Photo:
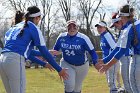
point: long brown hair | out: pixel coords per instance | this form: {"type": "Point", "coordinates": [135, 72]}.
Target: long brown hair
{"type": "Point", "coordinates": [19, 17]}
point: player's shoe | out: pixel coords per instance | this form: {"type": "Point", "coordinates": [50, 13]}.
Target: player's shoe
{"type": "Point", "coordinates": [122, 90]}
{"type": "Point", "coordinates": [114, 91]}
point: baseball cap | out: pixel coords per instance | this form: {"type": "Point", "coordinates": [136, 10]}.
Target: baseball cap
{"type": "Point", "coordinates": [71, 22]}
{"type": "Point", "coordinates": [101, 23]}
{"type": "Point", "coordinates": [115, 18]}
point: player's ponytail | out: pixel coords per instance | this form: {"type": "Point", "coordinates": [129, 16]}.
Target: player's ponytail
{"type": "Point", "coordinates": [19, 17]}
{"type": "Point", "coordinates": [25, 24]}
{"type": "Point", "coordinates": [131, 12]}
{"type": "Point", "coordinates": [108, 31]}
{"type": "Point", "coordinates": [135, 32]}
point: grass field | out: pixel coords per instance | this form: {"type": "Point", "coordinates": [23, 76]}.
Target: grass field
{"type": "Point", "coordinates": [44, 81]}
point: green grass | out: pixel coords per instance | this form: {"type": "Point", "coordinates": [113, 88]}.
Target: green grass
{"type": "Point", "coordinates": [44, 81]}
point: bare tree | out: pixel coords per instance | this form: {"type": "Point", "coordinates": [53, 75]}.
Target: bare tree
{"type": "Point", "coordinates": [19, 4]}
{"type": "Point", "coordinates": [3, 28]}
{"type": "Point", "coordinates": [135, 4]}
{"type": "Point", "coordinates": [88, 9]}
{"type": "Point", "coordinates": [101, 14]}
{"type": "Point", "coordinates": [49, 14]}
{"type": "Point", "coordinates": [33, 2]}
{"type": "Point", "coordinates": [66, 8]}
{"type": "Point", "coordinates": [46, 7]}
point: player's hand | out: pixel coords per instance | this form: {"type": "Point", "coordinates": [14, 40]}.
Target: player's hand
{"type": "Point", "coordinates": [99, 64]}
{"type": "Point", "coordinates": [104, 68]}
{"type": "Point", "coordinates": [49, 67]}
{"type": "Point", "coordinates": [63, 74]}
{"type": "Point", "coordinates": [54, 52]}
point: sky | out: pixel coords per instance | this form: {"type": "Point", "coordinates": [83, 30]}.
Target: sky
{"type": "Point", "coordinates": [113, 3]}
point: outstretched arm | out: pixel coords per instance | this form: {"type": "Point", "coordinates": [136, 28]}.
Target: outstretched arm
{"type": "Point", "coordinates": [114, 60]}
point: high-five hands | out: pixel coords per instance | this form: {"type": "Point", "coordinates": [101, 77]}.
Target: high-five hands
{"type": "Point", "coordinates": [101, 67]}
{"type": "Point", "coordinates": [98, 65]}
{"type": "Point", "coordinates": [106, 66]}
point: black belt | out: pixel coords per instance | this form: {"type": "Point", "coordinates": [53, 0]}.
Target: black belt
{"type": "Point", "coordinates": [78, 64]}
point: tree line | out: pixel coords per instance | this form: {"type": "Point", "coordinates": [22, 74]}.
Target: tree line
{"type": "Point", "coordinates": [55, 14]}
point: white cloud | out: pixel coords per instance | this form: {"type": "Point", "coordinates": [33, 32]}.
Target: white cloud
{"type": "Point", "coordinates": [114, 3]}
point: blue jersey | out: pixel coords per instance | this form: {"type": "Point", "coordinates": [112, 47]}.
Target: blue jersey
{"type": "Point", "coordinates": [126, 41]}
{"type": "Point", "coordinates": [74, 48]}
{"type": "Point", "coordinates": [107, 43]}
{"type": "Point", "coordinates": [128, 51]}
{"type": "Point", "coordinates": [24, 44]}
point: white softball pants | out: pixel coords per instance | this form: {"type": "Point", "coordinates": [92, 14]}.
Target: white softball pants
{"type": "Point", "coordinates": [12, 71]}
{"type": "Point", "coordinates": [125, 72]}
{"type": "Point", "coordinates": [111, 76]}
{"type": "Point", "coordinates": [76, 76]}
{"type": "Point", "coordinates": [135, 74]}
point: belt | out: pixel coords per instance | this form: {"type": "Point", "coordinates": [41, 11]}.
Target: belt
{"type": "Point", "coordinates": [79, 64]}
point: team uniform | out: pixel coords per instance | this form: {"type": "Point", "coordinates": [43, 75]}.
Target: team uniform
{"type": "Point", "coordinates": [126, 58]}
{"type": "Point", "coordinates": [107, 44]}
{"type": "Point", "coordinates": [75, 59]}
{"type": "Point", "coordinates": [125, 71]}
{"type": "Point", "coordinates": [16, 49]}
{"type": "Point", "coordinates": [125, 68]}
{"type": "Point", "coordinates": [126, 41]}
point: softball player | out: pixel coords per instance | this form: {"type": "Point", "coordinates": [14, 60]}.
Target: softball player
{"type": "Point", "coordinates": [74, 45]}
{"type": "Point", "coordinates": [125, 60]}
{"type": "Point", "coordinates": [107, 44]}
{"type": "Point", "coordinates": [19, 42]}
{"type": "Point", "coordinates": [130, 37]}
